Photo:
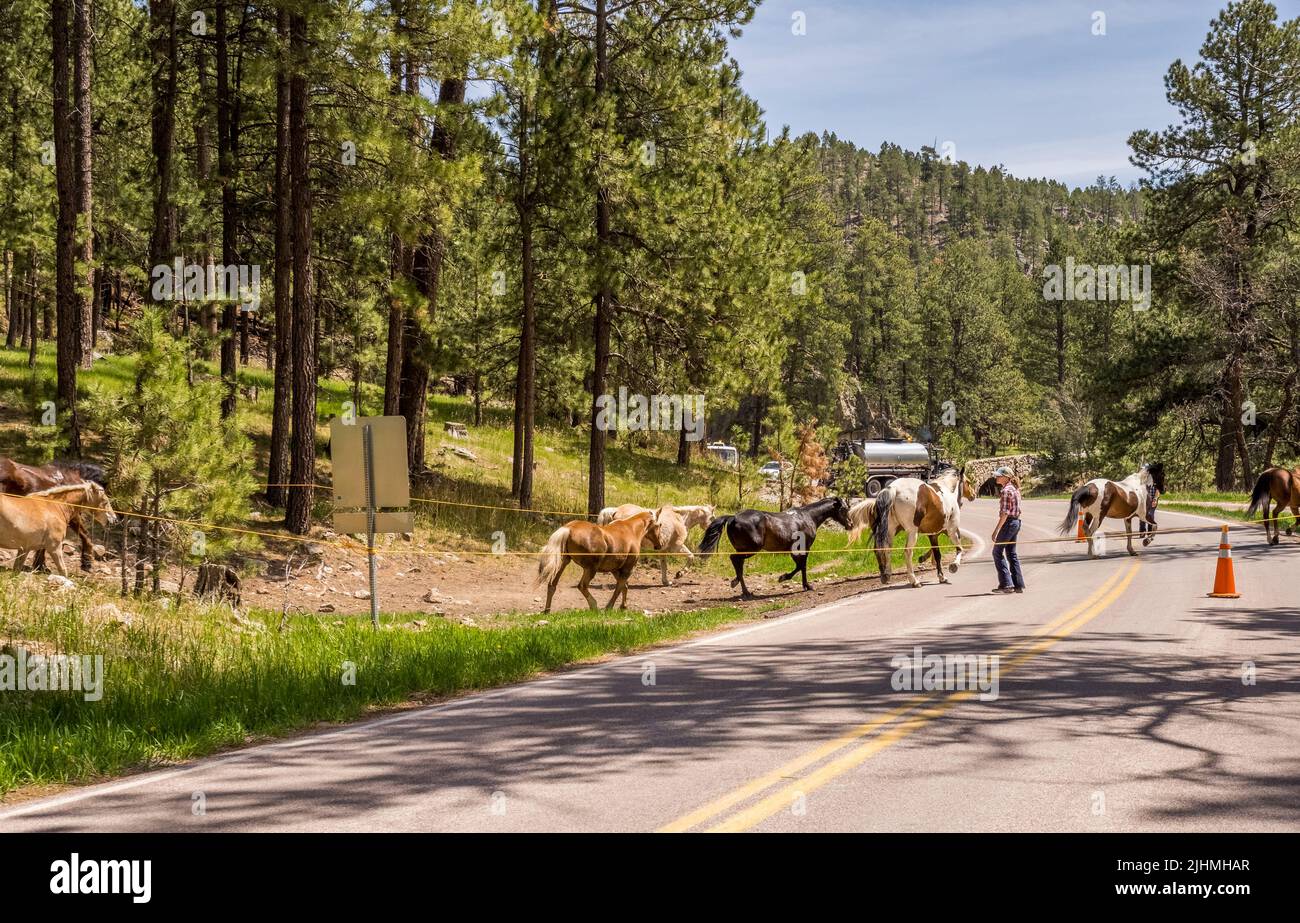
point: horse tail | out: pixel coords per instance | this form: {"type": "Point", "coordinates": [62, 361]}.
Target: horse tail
{"type": "Point", "coordinates": [1263, 487]}
{"type": "Point", "coordinates": [1072, 514]}
{"type": "Point", "coordinates": [551, 560]}
{"type": "Point", "coordinates": [713, 535]}
{"type": "Point", "coordinates": [881, 537]}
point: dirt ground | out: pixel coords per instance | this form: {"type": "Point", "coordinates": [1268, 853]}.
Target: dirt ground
{"type": "Point", "coordinates": [325, 578]}
{"type": "Point", "coordinates": [470, 588]}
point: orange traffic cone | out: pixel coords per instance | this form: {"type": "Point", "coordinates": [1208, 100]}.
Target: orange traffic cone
{"type": "Point", "coordinates": [1081, 536]}
{"type": "Point", "coordinates": [1225, 584]}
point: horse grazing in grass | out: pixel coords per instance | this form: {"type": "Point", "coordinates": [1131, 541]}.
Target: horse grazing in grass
{"type": "Point", "coordinates": [19, 479]}
{"type": "Point", "coordinates": [672, 522]}
{"type": "Point", "coordinates": [39, 521]}
{"type": "Point", "coordinates": [1282, 488]}
{"type": "Point", "coordinates": [752, 531]}
{"type": "Point", "coordinates": [918, 508]}
{"type": "Point", "coordinates": [614, 549]}
{"type": "Point", "coordinates": [1102, 499]}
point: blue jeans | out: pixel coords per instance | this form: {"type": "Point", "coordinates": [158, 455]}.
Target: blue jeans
{"type": "Point", "coordinates": [1004, 555]}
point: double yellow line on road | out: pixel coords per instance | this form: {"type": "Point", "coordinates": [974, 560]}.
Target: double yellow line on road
{"type": "Point", "coordinates": [922, 709]}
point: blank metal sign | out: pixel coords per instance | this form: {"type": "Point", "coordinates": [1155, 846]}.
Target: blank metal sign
{"type": "Point", "coordinates": [391, 477]}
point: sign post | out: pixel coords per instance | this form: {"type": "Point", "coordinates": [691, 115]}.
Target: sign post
{"type": "Point", "coordinates": [369, 496]}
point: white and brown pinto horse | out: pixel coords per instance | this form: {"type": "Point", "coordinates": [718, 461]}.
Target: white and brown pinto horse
{"type": "Point", "coordinates": [918, 508]}
{"type": "Point", "coordinates": [672, 522]}
{"type": "Point", "coordinates": [1101, 499]}
{"type": "Point", "coordinates": [614, 549]}
{"type": "Point", "coordinates": [39, 521]}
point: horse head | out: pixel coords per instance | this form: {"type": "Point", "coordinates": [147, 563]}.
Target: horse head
{"type": "Point", "coordinates": [840, 512]}
{"type": "Point", "coordinates": [965, 489]}
{"type": "Point", "coordinates": [1156, 472]}
{"type": "Point", "coordinates": [97, 499]}
{"type": "Point", "coordinates": [652, 528]}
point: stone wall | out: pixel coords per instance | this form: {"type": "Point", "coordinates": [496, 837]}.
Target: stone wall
{"type": "Point", "coordinates": [979, 470]}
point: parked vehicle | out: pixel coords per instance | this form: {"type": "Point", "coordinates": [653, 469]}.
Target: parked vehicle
{"type": "Point", "coordinates": [729, 455]}
{"type": "Point", "coordinates": [771, 470]}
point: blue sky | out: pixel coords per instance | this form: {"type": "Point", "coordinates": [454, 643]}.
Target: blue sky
{"type": "Point", "coordinates": [1023, 83]}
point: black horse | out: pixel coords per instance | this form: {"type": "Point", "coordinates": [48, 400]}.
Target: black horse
{"type": "Point", "coordinates": [751, 531]}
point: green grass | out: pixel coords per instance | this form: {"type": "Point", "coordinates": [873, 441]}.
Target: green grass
{"type": "Point", "coordinates": [1218, 512]}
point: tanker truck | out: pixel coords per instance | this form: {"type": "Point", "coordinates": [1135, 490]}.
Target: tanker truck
{"type": "Point", "coordinates": [886, 459]}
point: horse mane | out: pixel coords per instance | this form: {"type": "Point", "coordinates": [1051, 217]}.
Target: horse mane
{"type": "Point", "coordinates": [88, 470]}
{"type": "Point", "coordinates": [1135, 478]}
{"type": "Point", "coordinates": [89, 486]}
{"type": "Point", "coordinates": [947, 475]}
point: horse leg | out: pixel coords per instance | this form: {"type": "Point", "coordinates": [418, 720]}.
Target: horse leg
{"type": "Point", "coordinates": [663, 569]}
{"type": "Point", "coordinates": [738, 562]}
{"type": "Point", "coordinates": [587, 573]}
{"type": "Point", "coordinates": [938, 558]}
{"type": "Point", "coordinates": [55, 557]}
{"type": "Point", "coordinates": [1128, 535]}
{"type": "Point", "coordinates": [620, 586]}
{"type": "Point", "coordinates": [911, 550]}
{"type": "Point", "coordinates": [1092, 528]}
{"type": "Point", "coordinates": [87, 546]}
{"type": "Point", "coordinates": [555, 581]}
{"type": "Point", "coordinates": [801, 565]}
{"type": "Point", "coordinates": [690, 557]}
{"type": "Point", "coordinates": [1295, 517]}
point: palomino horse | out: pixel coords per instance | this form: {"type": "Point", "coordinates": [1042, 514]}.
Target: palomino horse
{"type": "Point", "coordinates": [39, 521]}
{"type": "Point", "coordinates": [752, 531]}
{"type": "Point", "coordinates": [692, 516]}
{"type": "Point", "coordinates": [19, 479]}
{"type": "Point", "coordinates": [1282, 487]}
{"type": "Point", "coordinates": [672, 523]}
{"type": "Point", "coordinates": [918, 508]}
{"type": "Point", "coordinates": [597, 549]}
{"type": "Point", "coordinates": [1101, 499]}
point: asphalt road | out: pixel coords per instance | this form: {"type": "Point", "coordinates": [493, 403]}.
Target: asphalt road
{"type": "Point", "coordinates": [1120, 706]}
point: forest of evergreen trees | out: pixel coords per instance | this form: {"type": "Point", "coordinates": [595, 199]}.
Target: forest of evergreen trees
{"type": "Point", "coordinates": [546, 200]}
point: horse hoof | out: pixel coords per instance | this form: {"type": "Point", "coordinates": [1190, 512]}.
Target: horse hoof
{"type": "Point", "coordinates": [952, 568]}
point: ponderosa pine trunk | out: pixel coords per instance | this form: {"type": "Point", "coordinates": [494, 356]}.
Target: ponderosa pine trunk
{"type": "Point", "coordinates": [604, 296]}
{"type": "Point", "coordinates": [428, 259]}
{"type": "Point", "coordinates": [282, 401]}
{"type": "Point", "coordinates": [162, 117]}
{"type": "Point", "coordinates": [83, 133]}
{"type": "Point", "coordinates": [65, 258]}
{"type": "Point", "coordinates": [229, 204]}
{"type": "Point", "coordinates": [302, 471]}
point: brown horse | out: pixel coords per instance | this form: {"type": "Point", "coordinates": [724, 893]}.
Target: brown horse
{"type": "Point", "coordinates": [597, 549]}
{"type": "Point", "coordinates": [18, 479]}
{"type": "Point", "coordinates": [39, 521]}
{"type": "Point", "coordinates": [1282, 487]}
